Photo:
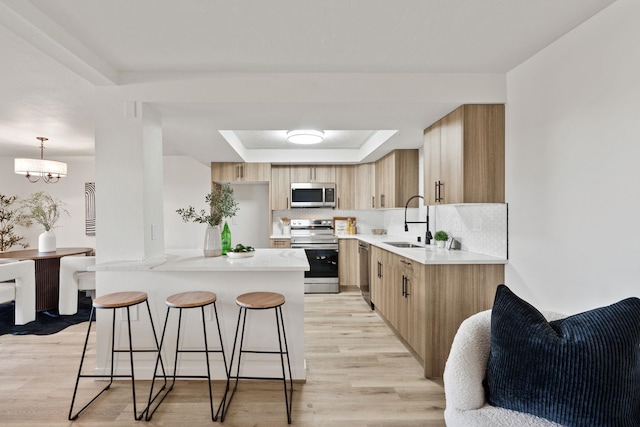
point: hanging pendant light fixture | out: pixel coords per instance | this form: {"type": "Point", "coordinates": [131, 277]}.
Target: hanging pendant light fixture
{"type": "Point", "coordinates": [49, 170]}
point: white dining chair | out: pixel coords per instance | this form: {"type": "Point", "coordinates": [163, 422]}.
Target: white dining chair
{"type": "Point", "coordinates": [18, 283]}
{"type": "Point", "coordinates": [74, 277]}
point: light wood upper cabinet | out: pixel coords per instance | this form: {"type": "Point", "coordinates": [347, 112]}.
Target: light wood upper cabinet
{"type": "Point", "coordinates": [431, 154]}
{"type": "Point", "coordinates": [240, 172]}
{"type": "Point", "coordinates": [464, 156]}
{"type": "Point", "coordinates": [365, 182]}
{"type": "Point", "coordinates": [396, 179]}
{"type": "Point", "coordinates": [346, 187]}
{"type": "Point", "coordinates": [313, 173]}
{"type": "Point", "coordinates": [279, 187]}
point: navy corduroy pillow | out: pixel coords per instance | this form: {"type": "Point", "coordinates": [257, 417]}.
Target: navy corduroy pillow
{"type": "Point", "coordinates": [581, 371]}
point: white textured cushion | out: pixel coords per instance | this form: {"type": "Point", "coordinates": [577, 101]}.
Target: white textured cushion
{"type": "Point", "coordinates": [463, 375]}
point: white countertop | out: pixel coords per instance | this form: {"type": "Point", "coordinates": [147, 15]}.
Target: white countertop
{"type": "Point", "coordinates": [193, 260]}
{"type": "Point", "coordinates": [426, 254]}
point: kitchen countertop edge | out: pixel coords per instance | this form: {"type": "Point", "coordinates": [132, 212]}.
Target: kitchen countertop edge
{"type": "Point", "coordinates": [265, 259]}
{"type": "Point", "coordinates": [428, 254]}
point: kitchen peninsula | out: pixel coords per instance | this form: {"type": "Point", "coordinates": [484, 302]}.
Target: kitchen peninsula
{"type": "Point", "coordinates": [275, 270]}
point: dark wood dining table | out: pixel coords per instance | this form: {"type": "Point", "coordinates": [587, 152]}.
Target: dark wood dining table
{"type": "Point", "coordinates": [47, 266]}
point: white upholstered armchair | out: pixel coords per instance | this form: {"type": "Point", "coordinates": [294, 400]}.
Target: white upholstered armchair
{"type": "Point", "coordinates": [21, 289]}
{"type": "Point", "coordinates": [463, 375]}
{"type": "Point", "coordinates": [74, 277]}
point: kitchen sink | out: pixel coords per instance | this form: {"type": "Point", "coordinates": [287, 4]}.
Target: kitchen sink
{"type": "Point", "coordinates": [403, 245]}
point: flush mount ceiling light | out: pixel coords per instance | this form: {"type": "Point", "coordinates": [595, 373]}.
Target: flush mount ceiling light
{"type": "Point", "coordinates": [305, 136]}
{"type": "Point", "coordinates": [50, 171]}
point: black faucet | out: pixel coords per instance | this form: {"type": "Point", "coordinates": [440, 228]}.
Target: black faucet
{"type": "Point", "coordinates": [427, 235]}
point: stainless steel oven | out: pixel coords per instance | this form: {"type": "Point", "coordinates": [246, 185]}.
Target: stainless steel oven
{"type": "Point", "coordinates": [321, 247]}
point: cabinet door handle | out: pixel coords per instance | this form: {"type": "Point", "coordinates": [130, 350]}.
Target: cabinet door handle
{"type": "Point", "coordinates": [406, 287]}
{"type": "Point", "coordinates": [382, 200]}
{"type": "Point", "coordinates": [241, 171]}
{"type": "Point", "coordinates": [404, 284]}
{"type": "Point", "coordinates": [435, 191]}
{"type": "Point", "coordinates": [379, 270]}
{"type": "Point", "coordinates": [373, 202]}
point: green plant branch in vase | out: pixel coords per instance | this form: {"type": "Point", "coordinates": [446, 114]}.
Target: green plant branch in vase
{"type": "Point", "coordinates": [44, 210]}
{"type": "Point", "coordinates": [10, 217]}
{"type": "Point", "coordinates": [221, 205]}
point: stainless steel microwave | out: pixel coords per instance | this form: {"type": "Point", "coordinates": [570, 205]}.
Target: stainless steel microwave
{"type": "Point", "coordinates": [313, 195]}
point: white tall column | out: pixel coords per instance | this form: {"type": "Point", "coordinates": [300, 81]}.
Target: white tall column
{"type": "Point", "coordinates": [129, 198]}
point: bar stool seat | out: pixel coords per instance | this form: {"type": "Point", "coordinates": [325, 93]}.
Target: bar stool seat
{"type": "Point", "coordinates": [119, 299]}
{"type": "Point", "coordinates": [114, 301]}
{"type": "Point", "coordinates": [181, 301]}
{"type": "Point", "coordinates": [261, 301]}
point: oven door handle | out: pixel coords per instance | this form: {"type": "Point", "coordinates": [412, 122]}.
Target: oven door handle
{"type": "Point", "coordinates": [312, 247]}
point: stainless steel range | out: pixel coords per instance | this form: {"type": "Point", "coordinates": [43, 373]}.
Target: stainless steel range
{"type": "Point", "coordinates": [316, 237]}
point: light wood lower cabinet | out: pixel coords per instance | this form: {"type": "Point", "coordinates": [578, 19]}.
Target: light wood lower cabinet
{"type": "Point", "coordinates": [454, 293]}
{"type": "Point", "coordinates": [425, 304]}
{"type": "Point", "coordinates": [348, 262]}
{"type": "Point", "coordinates": [280, 243]}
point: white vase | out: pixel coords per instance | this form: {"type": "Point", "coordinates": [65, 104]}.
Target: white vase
{"type": "Point", "coordinates": [212, 241]}
{"type": "Point", "coordinates": [47, 242]}
{"type": "Point", "coordinates": [441, 243]}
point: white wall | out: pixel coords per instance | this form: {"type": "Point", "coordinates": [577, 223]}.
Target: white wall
{"type": "Point", "coordinates": [71, 230]}
{"type": "Point", "coordinates": [573, 125]}
{"type": "Point", "coordinates": [251, 225]}
{"type": "Point", "coordinates": [186, 182]}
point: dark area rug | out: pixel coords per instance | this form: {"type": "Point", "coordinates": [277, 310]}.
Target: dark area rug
{"type": "Point", "coordinates": [46, 323]}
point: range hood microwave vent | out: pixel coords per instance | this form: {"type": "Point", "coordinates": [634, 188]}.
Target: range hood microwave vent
{"type": "Point", "coordinates": [313, 195]}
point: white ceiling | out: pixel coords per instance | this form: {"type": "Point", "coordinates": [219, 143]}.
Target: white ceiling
{"type": "Point", "coordinates": [56, 51]}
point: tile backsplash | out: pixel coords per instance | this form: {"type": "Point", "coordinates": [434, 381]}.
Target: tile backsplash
{"type": "Point", "coordinates": [480, 228]}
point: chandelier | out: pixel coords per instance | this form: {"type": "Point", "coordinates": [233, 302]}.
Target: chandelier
{"type": "Point", "coordinates": [49, 170]}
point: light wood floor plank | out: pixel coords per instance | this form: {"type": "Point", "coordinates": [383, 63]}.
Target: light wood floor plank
{"type": "Point", "coordinates": [359, 375]}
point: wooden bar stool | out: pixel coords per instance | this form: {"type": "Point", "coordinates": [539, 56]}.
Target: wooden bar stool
{"type": "Point", "coordinates": [115, 301]}
{"type": "Point", "coordinates": [181, 301]}
{"type": "Point", "coordinates": [261, 301]}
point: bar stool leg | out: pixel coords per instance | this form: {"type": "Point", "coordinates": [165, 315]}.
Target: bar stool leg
{"type": "Point", "coordinates": [287, 399]}
{"type": "Point", "coordinates": [214, 413]}
{"type": "Point", "coordinates": [75, 389]}
{"type": "Point", "coordinates": [233, 353]}
{"type": "Point", "coordinates": [282, 338]}
{"type": "Point", "coordinates": [152, 398]}
{"type": "Point", "coordinates": [111, 375]}
{"type": "Point", "coordinates": [206, 356]}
